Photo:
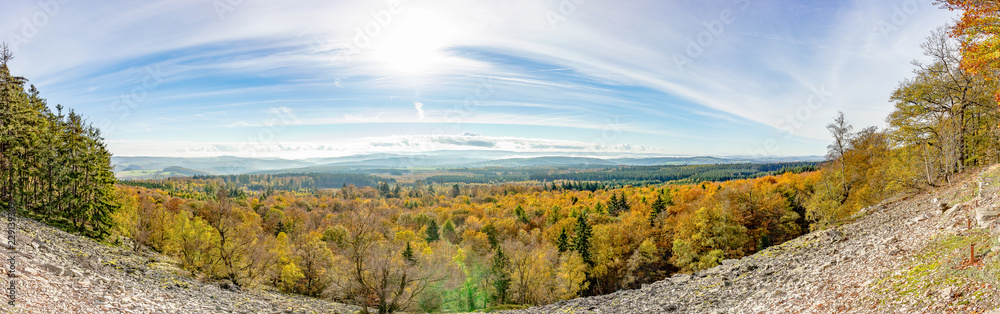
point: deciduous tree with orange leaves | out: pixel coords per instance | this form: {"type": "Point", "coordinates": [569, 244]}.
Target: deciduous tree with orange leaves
{"type": "Point", "coordinates": [978, 29]}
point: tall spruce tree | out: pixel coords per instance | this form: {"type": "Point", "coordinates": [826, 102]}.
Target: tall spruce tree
{"type": "Point", "coordinates": [563, 241]}
{"type": "Point", "coordinates": [432, 232]}
{"type": "Point", "coordinates": [501, 280]}
{"type": "Point", "coordinates": [581, 241]}
{"type": "Point", "coordinates": [55, 168]}
{"type": "Point", "coordinates": [659, 205]}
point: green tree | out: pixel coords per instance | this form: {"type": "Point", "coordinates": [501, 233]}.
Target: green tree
{"type": "Point", "coordinates": [432, 231]}
{"type": "Point", "coordinates": [618, 204]}
{"type": "Point", "coordinates": [501, 279]}
{"type": "Point", "coordinates": [521, 215]}
{"type": "Point", "coordinates": [659, 205]}
{"type": "Point", "coordinates": [449, 232]}
{"type": "Point", "coordinates": [55, 167]}
{"type": "Point", "coordinates": [315, 261]}
{"type": "Point", "coordinates": [562, 242]}
{"type": "Point", "coordinates": [408, 253]}
{"type": "Point", "coordinates": [581, 241]}
{"type": "Point", "coordinates": [945, 114]}
{"type": "Point", "coordinates": [716, 236]}
{"type": "Point", "coordinates": [383, 189]}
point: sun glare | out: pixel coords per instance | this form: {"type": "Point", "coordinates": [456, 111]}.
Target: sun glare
{"type": "Point", "coordinates": [413, 43]}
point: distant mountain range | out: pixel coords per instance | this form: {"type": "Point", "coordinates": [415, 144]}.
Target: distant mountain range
{"type": "Point", "coordinates": [161, 167]}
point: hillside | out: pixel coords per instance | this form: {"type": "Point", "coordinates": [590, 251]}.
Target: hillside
{"type": "Point", "coordinates": [909, 254]}
{"type": "Point", "coordinates": [168, 172]}
{"type": "Point", "coordinates": [59, 272]}
{"type": "Point", "coordinates": [160, 167]}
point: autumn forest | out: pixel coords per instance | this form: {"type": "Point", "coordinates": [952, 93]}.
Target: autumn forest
{"type": "Point", "coordinates": [447, 244]}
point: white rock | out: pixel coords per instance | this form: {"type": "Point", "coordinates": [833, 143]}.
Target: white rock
{"type": "Point", "coordinates": [680, 278]}
{"type": "Point", "coordinates": [947, 293]}
{"type": "Point", "coordinates": [984, 216]}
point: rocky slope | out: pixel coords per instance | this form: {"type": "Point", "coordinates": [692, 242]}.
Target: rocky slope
{"type": "Point", "coordinates": [57, 272]}
{"type": "Point", "coordinates": [910, 254]}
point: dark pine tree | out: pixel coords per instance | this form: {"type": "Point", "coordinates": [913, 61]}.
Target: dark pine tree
{"type": "Point", "coordinates": [659, 205]}
{"type": "Point", "coordinates": [501, 280]}
{"type": "Point", "coordinates": [581, 241]}
{"type": "Point", "coordinates": [55, 168]}
{"type": "Point", "coordinates": [408, 254]}
{"type": "Point", "coordinates": [432, 231]}
{"type": "Point", "coordinates": [563, 241]}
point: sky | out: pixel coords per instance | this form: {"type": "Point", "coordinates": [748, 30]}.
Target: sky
{"type": "Point", "coordinates": [304, 79]}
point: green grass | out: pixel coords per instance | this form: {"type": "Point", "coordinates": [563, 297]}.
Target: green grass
{"type": "Point", "coordinates": [965, 194]}
{"type": "Point", "coordinates": [939, 266]}
{"type": "Point", "coordinates": [991, 179]}
{"type": "Point", "coordinates": [504, 307]}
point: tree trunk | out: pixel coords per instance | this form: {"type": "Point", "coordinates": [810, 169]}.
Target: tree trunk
{"type": "Point", "coordinates": [927, 166]}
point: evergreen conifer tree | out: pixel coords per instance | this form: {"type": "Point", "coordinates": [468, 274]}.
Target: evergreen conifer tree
{"type": "Point", "coordinates": [432, 231]}
{"type": "Point", "coordinates": [563, 241]}
{"type": "Point", "coordinates": [581, 242]}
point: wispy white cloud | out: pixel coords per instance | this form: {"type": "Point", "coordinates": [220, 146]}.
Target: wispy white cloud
{"type": "Point", "coordinates": [758, 66]}
{"type": "Point", "coordinates": [390, 144]}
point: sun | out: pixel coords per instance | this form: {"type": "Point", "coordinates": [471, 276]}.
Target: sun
{"type": "Point", "coordinates": [414, 43]}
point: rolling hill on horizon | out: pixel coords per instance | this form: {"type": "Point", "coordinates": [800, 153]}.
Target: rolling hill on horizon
{"type": "Point", "coordinates": [140, 167]}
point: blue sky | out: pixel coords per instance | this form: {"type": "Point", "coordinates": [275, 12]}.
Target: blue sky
{"type": "Point", "coordinates": [305, 79]}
